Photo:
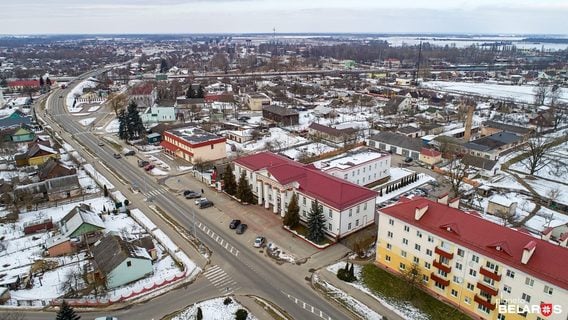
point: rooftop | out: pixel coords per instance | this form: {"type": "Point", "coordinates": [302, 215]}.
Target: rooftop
{"type": "Point", "coordinates": [283, 111]}
{"type": "Point", "coordinates": [194, 135]}
{"type": "Point", "coordinates": [350, 159]}
{"type": "Point", "coordinates": [397, 139]}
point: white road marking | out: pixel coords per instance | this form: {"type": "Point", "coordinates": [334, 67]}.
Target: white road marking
{"type": "Point", "coordinates": [308, 307]}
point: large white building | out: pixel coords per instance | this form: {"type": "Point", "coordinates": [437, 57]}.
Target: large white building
{"type": "Point", "coordinates": [361, 166]}
{"type": "Point", "coordinates": [487, 270]}
{"type": "Point", "coordinates": [347, 207]}
{"type": "Point", "coordinates": [156, 114]}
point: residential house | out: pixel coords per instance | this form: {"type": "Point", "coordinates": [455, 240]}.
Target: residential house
{"type": "Point", "coordinates": [53, 168]}
{"type": "Point", "coordinates": [332, 134]}
{"type": "Point", "coordinates": [15, 119]}
{"type": "Point", "coordinates": [493, 146]}
{"type": "Point", "coordinates": [501, 206]}
{"type": "Point", "coordinates": [491, 127]}
{"type": "Point", "coordinates": [147, 243]}
{"type": "Point", "coordinates": [119, 261]}
{"type": "Point", "coordinates": [472, 263]}
{"type": "Point", "coordinates": [16, 134]}
{"type": "Point", "coordinates": [347, 207]}
{"type": "Point", "coordinates": [281, 115]}
{"type": "Point", "coordinates": [49, 190]}
{"type": "Point", "coordinates": [257, 101]}
{"type": "Point", "coordinates": [487, 168]}
{"type": "Point", "coordinates": [36, 155]}
{"type": "Point", "coordinates": [324, 112]}
{"type": "Point", "coordinates": [81, 221]}
{"type": "Point", "coordinates": [60, 245]}
{"type": "Point", "coordinates": [155, 114]}
{"type": "Point", "coordinates": [431, 129]}
{"type": "Point", "coordinates": [145, 95]}
{"type": "Point", "coordinates": [397, 143]}
{"type": "Point", "coordinates": [194, 144]}
{"type": "Point", "coordinates": [430, 156]}
{"type": "Point", "coordinates": [19, 85]}
{"type": "Point", "coordinates": [240, 136]}
{"type": "Point", "coordinates": [397, 104]}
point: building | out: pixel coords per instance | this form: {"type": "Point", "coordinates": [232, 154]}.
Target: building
{"type": "Point", "coordinates": [501, 206]}
{"type": "Point", "coordinates": [273, 178]}
{"type": "Point", "coordinates": [495, 145]}
{"type": "Point", "coordinates": [15, 119]}
{"type": "Point", "coordinates": [281, 115]}
{"type": "Point", "coordinates": [257, 101]}
{"type": "Point", "coordinates": [334, 135]}
{"type": "Point", "coordinates": [37, 154]}
{"type": "Point", "coordinates": [155, 114]}
{"type": "Point", "coordinates": [474, 264]}
{"type": "Point", "coordinates": [60, 245]}
{"type": "Point", "coordinates": [23, 133]}
{"type": "Point", "coordinates": [397, 104]}
{"type": "Point", "coordinates": [430, 156]}
{"type": "Point", "coordinates": [119, 261]}
{"type": "Point", "coordinates": [194, 144]}
{"type": "Point", "coordinates": [49, 190]}
{"type": "Point", "coordinates": [54, 168]}
{"type": "Point", "coordinates": [396, 143]}
{"type": "Point", "coordinates": [360, 166]}
{"type": "Point", "coordinates": [409, 131]}
{"type": "Point", "coordinates": [492, 127]}
{"type": "Point", "coordinates": [81, 220]}
{"type": "Point", "coordinates": [145, 95]}
{"type": "Point", "coordinates": [19, 85]}
{"type": "Point", "coordinates": [240, 136]}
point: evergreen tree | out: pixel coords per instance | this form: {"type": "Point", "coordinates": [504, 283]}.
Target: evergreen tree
{"type": "Point", "coordinates": [134, 124]}
{"type": "Point", "coordinates": [292, 216]}
{"type": "Point", "coordinates": [122, 125]}
{"type": "Point", "coordinates": [163, 66]}
{"type": "Point", "coordinates": [190, 93]}
{"type": "Point", "coordinates": [229, 181]}
{"type": "Point", "coordinates": [41, 82]}
{"type": "Point", "coordinates": [66, 312]}
{"type": "Point", "coordinates": [48, 82]}
{"type": "Point", "coordinates": [105, 190]}
{"type": "Point", "coordinates": [199, 315]}
{"type": "Point", "coordinates": [243, 190]}
{"type": "Point", "coordinates": [241, 314]}
{"type": "Point", "coordinates": [351, 272]}
{"type": "Point", "coordinates": [200, 93]}
{"type": "Point", "coordinates": [316, 222]}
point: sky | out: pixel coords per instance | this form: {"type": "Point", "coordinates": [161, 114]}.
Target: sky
{"type": "Point", "coordinates": [286, 16]}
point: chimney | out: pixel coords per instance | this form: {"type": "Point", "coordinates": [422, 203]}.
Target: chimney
{"type": "Point", "coordinates": [455, 203]}
{"type": "Point", "coordinates": [546, 233]}
{"type": "Point", "coordinates": [443, 199]}
{"type": "Point", "coordinates": [468, 123]}
{"type": "Point", "coordinates": [564, 239]}
{"type": "Point", "coordinates": [528, 251]}
{"type": "Point", "coordinates": [420, 211]}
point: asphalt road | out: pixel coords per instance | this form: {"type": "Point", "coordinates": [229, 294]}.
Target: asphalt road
{"type": "Point", "coordinates": [283, 285]}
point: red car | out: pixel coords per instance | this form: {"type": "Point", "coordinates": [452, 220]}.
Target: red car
{"type": "Point", "coordinates": [149, 167]}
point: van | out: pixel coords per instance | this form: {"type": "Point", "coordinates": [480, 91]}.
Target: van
{"type": "Point", "coordinates": [205, 204]}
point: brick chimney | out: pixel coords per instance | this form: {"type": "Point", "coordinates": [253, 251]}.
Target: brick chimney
{"type": "Point", "coordinates": [420, 211]}
{"type": "Point", "coordinates": [454, 203]}
{"type": "Point", "coordinates": [546, 233]}
{"type": "Point", "coordinates": [443, 199]}
{"type": "Point", "coordinates": [468, 123]}
{"type": "Point", "coordinates": [528, 251]}
{"type": "Point", "coordinates": [564, 239]}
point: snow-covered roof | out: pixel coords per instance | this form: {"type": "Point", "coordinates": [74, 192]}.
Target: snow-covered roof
{"type": "Point", "coordinates": [79, 215]}
{"type": "Point", "coordinates": [350, 159]}
{"type": "Point", "coordinates": [501, 200]}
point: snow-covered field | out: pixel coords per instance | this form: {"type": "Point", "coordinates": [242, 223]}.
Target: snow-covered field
{"type": "Point", "coordinates": [309, 150]}
{"type": "Point", "coordinates": [87, 121]}
{"type": "Point", "coordinates": [278, 138]}
{"type": "Point", "coordinates": [213, 309]}
{"type": "Point", "coordinates": [524, 93]}
{"type": "Point", "coordinates": [112, 126]}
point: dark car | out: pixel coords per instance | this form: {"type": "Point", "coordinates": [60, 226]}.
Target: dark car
{"type": "Point", "coordinates": [234, 224]}
{"type": "Point", "coordinates": [205, 204]}
{"type": "Point", "coordinates": [149, 167]}
{"type": "Point", "coordinates": [241, 228]}
{"type": "Point", "coordinates": [193, 195]}
{"type": "Point", "coordinates": [101, 144]}
{"type": "Point", "coordinates": [186, 192]}
{"type": "Point", "coordinates": [408, 160]}
{"type": "Point", "coordinates": [129, 153]}
{"type": "Point", "coordinates": [143, 163]}
{"type": "Point", "coordinates": [116, 156]}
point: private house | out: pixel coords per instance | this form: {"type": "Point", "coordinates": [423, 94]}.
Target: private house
{"type": "Point", "coordinates": [16, 134]}
{"type": "Point", "coordinates": [194, 144]}
{"type": "Point", "coordinates": [19, 85]}
{"type": "Point", "coordinates": [60, 245]}
{"type": "Point", "coordinates": [240, 136]}
{"type": "Point", "coordinates": [431, 129]}
{"type": "Point", "coordinates": [334, 135]}
{"type": "Point", "coordinates": [53, 168]}
{"type": "Point", "coordinates": [36, 155]}
{"type": "Point", "coordinates": [49, 190]}
{"type": "Point", "coordinates": [281, 115]}
{"type": "Point", "coordinates": [120, 262]}
{"type": "Point", "coordinates": [257, 101]}
{"type": "Point", "coordinates": [347, 207]}
{"type": "Point", "coordinates": [324, 112]}
{"type": "Point", "coordinates": [361, 166]}
{"type": "Point", "coordinates": [499, 205]}
{"type": "Point", "coordinates": [397, 143]}
{"type": "Point", "coordinates": [147, 243]}
{"type": "Point", "coordinates": [155, 114]}
{"type": "Point", "coordinates": [487, 168]}
{"type": "Point", "coordinates": [430, 156]}
{"type": "Point", "coordinates": [39, 225]}
{"type": "Point", "coordinates": [492, 127]}
{"type": "Point", "coordinates": [397, 104]}
{"type": "Point", "coordinates": [15, 119]}
{"type": "Point", "coordinates": [144, 95]}
{"type": "Point", "coordinates": [472, 263]}
{"type": "Point", "coordinates": [80, 221]}
{"type": "Point", "coordinates": [493, 146]}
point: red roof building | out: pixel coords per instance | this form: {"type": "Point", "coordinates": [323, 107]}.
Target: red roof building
{"type": "Point", "coordinates": [194, 144]}
{"type": "Point", "coordinates": [20, 84]}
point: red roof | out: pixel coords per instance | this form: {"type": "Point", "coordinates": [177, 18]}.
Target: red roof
{"type": "Point", "coordinates": [430, 152]}
{"type": "Point", "coordinates": [23, 83]}
{"type": "Point", "coordinates": [335, 192]}
{"type": "Point", "coordinates": [143, 89]}
{"type": "Point", "coordinates": [480, 235]}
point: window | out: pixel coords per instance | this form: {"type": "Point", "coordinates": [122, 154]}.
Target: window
{"type": "Point", "coordinates": [329, 226]}
{"type": "Point", "coordinates": [391, 222]}
{"type": "Point", "coordinates": [442, 273]}
{"type": "Point", "coordinates": [459, 266]}
{"type": "Point", "coordinates": [304, 200]}
{"type": "Point", "coordinates": [402, 266]}
{"type": "Point", "coordinates": [507, 289]}
{"type": "Point", "coordinates": [472, 273]}
{"type": "Point", "coordinates": [548, 290]}
{"type": "Point", "coordinates": [470, 286]}
{"type": "Point", "coordinates": [357, 222]}
{"type": "Point", "coordinates": [304, 213]}
{"type": "Point", "coordinates": [427, 265]}
{"type": "Point", "coordinates": [526, 297]}
{"type": "Point", "coordinates": [429, 252]}
{"type": "Point", "coordinates": [406, 228]}
{"type": "Point", "coordinates": [389, 234]}
{"type": "Point", "coordinates": [511, 274]}
{"type": "Point", "coordinates": [492, 266]}
{"type": "Point", "coordinates": [128, 263]}
{"type": "Point", "coordinates": [418, 234]}
{"type": "Point", "coordinates": [365, 206]}
{"type": "Point", "coordinates": [440, 286]}
{"type": "Point", "coordinates": [488, 280]}
{"type": "Point", "coordinates": [349, 226]}
{"type": "Point", "coordinates": [467, 300]}
{"type": "Point", "coordinates": [387, 258]}
{"type": "Point", "coordinates": [417, 247]}
{"type": "Point", "coordinates": [483, 308]}
{"type": "Point", "coordinates": [389, 246]}
{"type": "Point", "coordinates": [416, 260]}
{"type": "Point", "coordinates": [403, 253]}
{"type": "Point", "coordinates": [425, 278]}
{"type": "Point", "coordinates": [212, 147]}
{"type": "Point", "coordinates": [529, 282]}
{"type": "Point", "coordinates": [404, 240]}
{"type": "Point", "coordinates": [461, 252]}
{"type": "Point", "coordinates": [500, 316]}
{"type": "Point", "coordinates": [330, 213]}
{"type": "Point", "coordinates": [430, 239]}
{"type": "Point", "coordinates": [454, 293]}
{"type": "Point", "coordinates": [358, 207]}
{"type": "Point", "coordinates": [475, 259]}
{"type": "Point", "coordinates": [345, 176]}
{"type": "Point", "coordinates": [350, 212]}
{"type": "Point", "coordinates": [457, 279]}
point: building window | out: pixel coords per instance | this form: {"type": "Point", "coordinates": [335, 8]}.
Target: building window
{"type": "Point", "coordinates": [526, 297]}
{"type": "Point", "coordinates": [507, 289]}
{"type": "Point", "coordinates": [416, 260]}
{"type": "Point", "coordinates": [403, 253]}
{"type": "Point", "coordinates": [439, 285]}
{"type": "Point", "coordinates": [529, 282]}
{"type": "Point", "coordinates": [429, 252]}
{"type": "Point", "coordinates": [427, 265]}
{"type": "Point", "coordinates": [492, 266]}
{"type": "Point", "coordinates": [511, 274]}
{"type": "Point", "coordinates": [329, 226]}
{"type": "Point", "coordinates": [472, 273]}
{"type": "Point", "coordinates": [387, 258]}
{"type": "Point", "coordinates": [425, 278]}
{"type": "Point", "coordinates": [483, 308]}
{"type": "Point", "coordinates": [417, 247]}
{"type": "Point", "coordinates": [461, 252]}
{"type": "Point", "coordinates": [345, 176]}
{"type": "Point", "coordinates": [454, 293]}
{"type": "Point", "coordinates": [442, 273]}
{"type": "Point", "coordinates": [330, 213]}
{"type": "Point", "coordinates": [304, 200]}
{"type": "Point", "coordinates": [391, 222]}
{"type": "Point", "coordinates": [365, 206]}
{"type": "Point", "coordinates": [402, 266]}
{"type": "Point", "coordinates": [406, 228]}
{"type": "Point", "coordinates": [502, 317]}
{"type": "Point", "coordinates": [212, 146]}
{"type": "Point", "coordinates": [459, 266]}
{"type": "Point", "coordinates": [470, 287]}
{"type": "Point", "coordinates": [357, 222]}
{"type": "Point", "coordinates": [467, 300]}
{"type": "Point", "coordinates": [349, 226]}
{"type": "Point", "coordinates": [430, 239]}
{"type": "Point", "coordinates": [445, 260]}
{"type": "Point", "coordinates": [488, 280]}
{"type": "Point", "coordinates": [389, 234]}
{"type": "Point", "coordinates": [357, 209]}
{"type": "Point", "coordinates": [457, 279]}
{"type": "Point", "coordinates": [304, 213]}
{"type": "Point", "coordinates": [405, 241]}
{"type": "Point", "coordinates": [128, 263]}
{"type": "Point", "coordinates": [418, 234]}
{"type": "Point", "coordinates": [548, 290]}
{"type": "Point", "coordinates": [389, 246]}
{"type": "Point", "coordinates": [350, 212]}
{"type": "Point", "coordinates": [475, 259]}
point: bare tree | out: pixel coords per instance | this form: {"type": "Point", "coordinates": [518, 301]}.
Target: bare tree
{"type": "Point", "coordinates": [539, 153]}
{"type": "Point", "coordinates": [457, 172]}
{"type": "Point", "coordinates": [506, 217]}
{"type": "Point", "coordinates": [117, 101]}
{"type": "Point", "coordinates": [541, 91]}
{"type": "Point", "coordinates": [413, 278]}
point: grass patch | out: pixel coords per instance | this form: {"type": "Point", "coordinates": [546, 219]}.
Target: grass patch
{"type": "Point", "coordinates": [392, 287]}
{"type": "Point", "coordinates": [303, 231]}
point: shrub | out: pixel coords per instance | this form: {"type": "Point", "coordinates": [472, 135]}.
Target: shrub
{"type": "Point", "coordinates": [346, 274]}
{"type": "Point", "coordinates": [241, 314]}
{"type": "Point", "coordinates": [227, 301]}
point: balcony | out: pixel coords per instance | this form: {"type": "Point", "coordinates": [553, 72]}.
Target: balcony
{"type": "Point", "coordinates": [487, 288]}
{"type": "Point", "coordinates": [484, 302]}
{"type": "Point", "coordinates": [439, 279]}
{"type": "Point", "coordinates": [444, 253]}
{"type": "Point", "coordinates": [490, 274]}
{"type": "Point", "coordinates": [441, 266]}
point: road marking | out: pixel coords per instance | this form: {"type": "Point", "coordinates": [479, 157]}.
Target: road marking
{"type": "Point", "coordinates": [217, 238]}
{"type": "Point", "coordinates": [221, 280]}
{"type": "Point", "coordinates": [308, 307]}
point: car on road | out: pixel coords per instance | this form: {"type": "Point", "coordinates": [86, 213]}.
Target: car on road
{"type": "Point", "coordinates": [259, 242]}
{"type": "Point", "coordinates": [198, 201]}
{"type": "Point", "coordinates": [149, 167]}
{"type": "Point", "coordinates": [129, 153]}
{"type": "Point", "coordinates": [241, 228]}
{"type": "Point", "coordinates": [234, 224]}
{"type": "Point", "coordinates": [193, 195]}
{"type": "Point", "coordinates": [101, 144]}
{"type": "Point", "coordinates": [106, 318]}
{"type": "Point", "coordinates": [205, 204]}
{"type": "Point", "coordinates": [143, 163]}
{"type": "Point", "coordinates": [408, 160]}
{"type": "Point", "coordinates": [186, 192]}
{"type": "Point", "coordinates": [117, 156]}
{"type": "Point", "coordinates": [60, 96]}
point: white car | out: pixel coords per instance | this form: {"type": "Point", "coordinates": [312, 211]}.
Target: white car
{"type": "Point", "coordinates": [198, 201]}
{"type": "Point", "coordinates": [106, 318]}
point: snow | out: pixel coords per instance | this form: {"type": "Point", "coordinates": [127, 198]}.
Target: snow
{"type": "Point", "coordinates": [112, 126]}
{"type": "Point", "coordinates": [422, 179]}
{"type": "Point", "coordinates": [94, 108]}
{"type": "Point", "coordinates": [77, 92]}
{"type": "Point", "coordinates": [101, 180]}
{"type": "Point", "coordinates": [310, 150]}
{"type": "Point", "coordinates": [278, 137]}
{"type": "Point", "coordinates": [87, 121]}
{"type": "Point", "coordinates": [158, 172]}
{"type": "Point", "coordinates": [213, 309]}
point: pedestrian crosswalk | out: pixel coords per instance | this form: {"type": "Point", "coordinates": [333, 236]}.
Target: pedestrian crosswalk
{"type": "Point", "coordinates": [221, 280]}
{"type": "Point", "coordinates": [155, 192]}
{"type": "Point", "coordinates": [222, 242]}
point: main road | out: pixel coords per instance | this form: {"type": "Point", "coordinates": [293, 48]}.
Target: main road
{"type": "Point", "coordinates": [284, 286]}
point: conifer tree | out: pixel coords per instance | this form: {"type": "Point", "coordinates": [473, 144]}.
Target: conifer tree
{"type": "Point", "coordinates": [66, 312]}
{"type": "Point", "coordinates": [243, 190]}
{"type": "Point", "coordinates": [122, 125]}
{"type": "Point", "coordinates": [316, 222]}
{"type": "Point", "coordinates": [292, 216]}
{"type": "Point", "coordinates": [230, 184]}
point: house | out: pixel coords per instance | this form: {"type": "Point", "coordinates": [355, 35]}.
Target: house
{"type": "Point", "coordinates": [53, 168]}
{"type": "Point", "coordinates": [60, 245]}
{"type": "Point", "coordinates": [22, 133]}
{"type": "Point", "coordinates": [155, 114]}
{"type": "Point", "coordinates": [194, 144]}
{"type": "Point", "coordinates": [409, 131]}
{"type": "Point", "coordinates": [119, 261]}
{"type": "Point", "coordinates": [283, 116]}
{"type": "Point", "coordinates": [499, 205]}
{"type": "Point", "coordinates": [431, 129]}
{"type": "Point", "coordinates": [49, 190]}
{"type": "Point", "coordinates": [15, 119]}
{"type": "Point", "coordinates": [347, 207]}
{"type": "Point", "coordinates": [36, 226]}
{"type": "Point", "coordinates": [36, 155]}
{"type": "Point", "coordinates": [491, 127]}
{"type": "Point", "coordinates": [153, 138]}
{"type": "Point", "coordinates": [334, 135]}
{"type": "Point", "coordinates": [81, 220]}
{"type": "Point", "coordinates": [240, 136]}
{"type": "Point", "coordinates": [493, 146]}
{"type": "Point", "coordinates": [324, 112]}
{"type": "Point", "coordinates": [430, 156]}
{"type": "Point", "coordinates": [362, 166]}
{"type": "Point", "coordinates": [487, 167]}
{"type": "Point", "coordinates": [469, 262]}
{"type": "Point", "coordinates": [397, 104]}
{"type": "Point", "coordinates": [257, 101]}
{"type": "Point", "coordinates": [147, 243]}
{"type": "Point", "coordinates": [396, 143]}
{"type": "Point", "coordinates": [145, 95]}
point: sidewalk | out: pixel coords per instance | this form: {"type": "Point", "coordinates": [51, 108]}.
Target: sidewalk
{"type": "Point", "coordinates": [359, 295]}
{"type": "Point", "coordinates": [255, 309]}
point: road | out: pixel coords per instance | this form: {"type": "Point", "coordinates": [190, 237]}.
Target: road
{"type": "Point", "coordinates": [283, 285]}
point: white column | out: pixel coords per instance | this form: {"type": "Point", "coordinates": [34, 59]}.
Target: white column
{"type": "Point", "coordinates": [275, 200]}
{"type": "Point", "coordinates": [282, 203]}
{"type": "Point", "coordinates": [266, 202]}
{"type": "Point", "coordinates": [259, 192]}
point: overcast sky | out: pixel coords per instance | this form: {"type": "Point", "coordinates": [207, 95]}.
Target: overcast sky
{"type": "Point", "coordinates": [235, 16]}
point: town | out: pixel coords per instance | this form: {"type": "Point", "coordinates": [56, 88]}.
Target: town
{"type": "Point", "coordinates": [276, 176]}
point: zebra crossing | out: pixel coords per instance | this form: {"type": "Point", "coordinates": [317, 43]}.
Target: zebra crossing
{"type": "Point", "coordinates": [221, 280]}
{"type": "Point", "coordinates": [222, 242]}
{"type": "Point", "coordinates": [155, 192]}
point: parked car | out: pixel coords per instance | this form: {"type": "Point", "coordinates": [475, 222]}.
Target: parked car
{"type": "Point", "coordinates": [143, 163]}
{"type": "Point", "coordinates": [116, 156]}
{"type": "Point", "coordinates": [259, 242]}
{"type": "Point", "coordinates": [241, 228]}
{"type": "Point", "coordinates": [149, 167]}
{"type": "Point", "coordinates": [193, 195]}
{"type": "Point", "coordinates": [408, 160]}
{"type": "Point", "coordinates": [234, 224]}
{"type": "Point", "coordinates": [205, 204]}
{"type": "Point", "coordinates": [186, 192]}
{"type": "Point", "coordinates": [129, 153]}
{"type": "Point", "coordinates": [101, 144]}
{"type": "Point", "coordinates": [198, 201]}
{"type": "Point", "coordinates": [106, 318]}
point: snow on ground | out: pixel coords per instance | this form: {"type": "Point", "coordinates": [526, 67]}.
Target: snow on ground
{"type": "Point", "coordinates": [185, 168]}
{"type": "Point", "coordinates": [94, 108]}
{"type": "Point", "coordinates": [158, 172]}
{"type": "Point", "coordinates": [87, 121]}
{"type": "Point", "coordinates": [112, 126]}
{"type": "Point", "coordinates": [279, 138]}
{"type": "Point", "coordinates": [546, 188]}
{"type": "Point", "coordinates": [524, 93]}
{"type": "Point", "coordinates": [309, 150]}
{"type": "Point", "coordinates": [422, 179]}
{"type": "Point", "coordinates": [97, 176]}
{"type": "Point", "coordinates": [77, 92]}
{"type": "Point", "coordinates": [213, 309]}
